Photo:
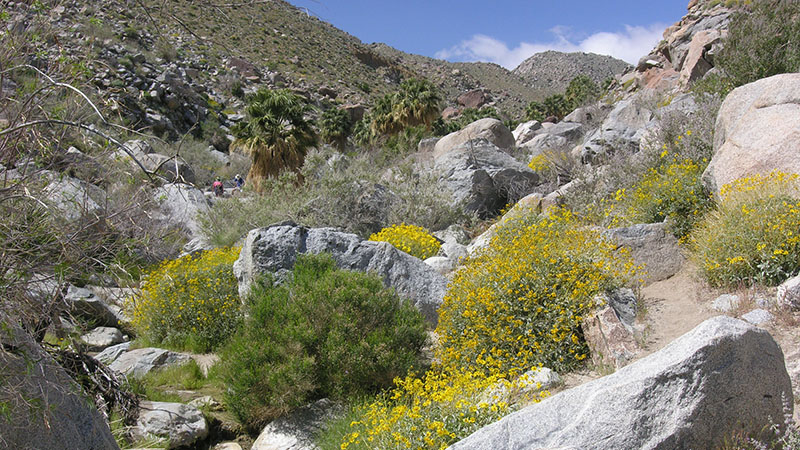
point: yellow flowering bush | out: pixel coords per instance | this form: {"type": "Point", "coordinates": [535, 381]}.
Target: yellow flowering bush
{"type": "Point", "coordinates": [189, 303]}
{"type": "Point", "coordinates": [516, 305]}
{"type": "Point", "coordinates": [754, 234]}
{"type": "Point", "coordinates": [414, 240]}
{"type": "Point", "coordinates": [521, 301]}
{"type": "Point", "coordinates": [429, 412]}
{"type": "Point", "coordinates": [672, 190]}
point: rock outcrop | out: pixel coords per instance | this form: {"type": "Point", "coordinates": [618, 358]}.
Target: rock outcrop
{"type": "Point", "coordinates": [141, 361]}
{"type": "Point", "coordinates": [275, 249]}
{"type": "Point", "coordinates": [723, 377]}
{"type": "Point", "coordinates": [482, 177]}
{"type": "Point", "coordinates": [652, 246]}
{"type": "Point", "coordinates": [757, 131]}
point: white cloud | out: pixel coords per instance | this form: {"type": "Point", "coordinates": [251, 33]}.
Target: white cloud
{"type": "Point", "coordinates": [628, 45]}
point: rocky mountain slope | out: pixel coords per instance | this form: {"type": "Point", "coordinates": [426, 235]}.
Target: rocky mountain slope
{"type": "Point", "coordinates": [552, 71]}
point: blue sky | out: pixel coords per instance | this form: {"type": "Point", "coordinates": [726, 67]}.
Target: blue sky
{"type": "Point", "coordinates": [503, 31]}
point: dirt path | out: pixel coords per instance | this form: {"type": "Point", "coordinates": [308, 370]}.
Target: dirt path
{"type": "Point", "coordinates": [673, 307]}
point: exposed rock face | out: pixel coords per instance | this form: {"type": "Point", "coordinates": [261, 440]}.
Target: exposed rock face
{"type": "Point", "coordinates": [757, 131]}
{"type": "Point", "coordinates": [181, 424]}
{"type": "Point", "coordinates": [63, 419]}
{"type": "Point", "coordinates": [297, 430]}
{"type": "Point", "coordinates": [653, 246]}
{"type": "Point", "coordinates": [489, 129]}
{"type": "Point", "coordinates": [473, 99]}
{"type": "Point", "coordinates": [141, 361]}
{"type": "Point", "coordinates": [75, 198]}
{"type": "Point", "coordinates": [483, 177]}
{"type": "Point", "coordinates": [724, 376]}
{"type": "Point", "coordinates": [526, 131]}
{"type": "Point", "coordinates": [275, 249]}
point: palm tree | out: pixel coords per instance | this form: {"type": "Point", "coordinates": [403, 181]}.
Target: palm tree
{"type": "Point", "coordinates": [416, 103]}
{"type": "Point", "coordinates": [335, 126]}
{"type": "Point", "coordinates": [276, 134]}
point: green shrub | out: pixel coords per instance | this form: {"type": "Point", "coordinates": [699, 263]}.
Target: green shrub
{"type": "Point", "coordinates": [515, 306]}
{"type": "Point", "coordinates": [763, 40]}
{"type": "Point", "coordinates": [414, 240]}
{"type": "Point", "coordinates": [754, 234]}
{"type": "Point", "coordinates": [190, 303]}
{"type": "Point", "coordinates": [324, 333]}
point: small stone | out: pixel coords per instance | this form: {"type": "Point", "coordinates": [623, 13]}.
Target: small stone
{"type": "Point", "coordinates": [758, 316]}
{"type": "Point", "coordinates": [102, 337]}
{"type": "Point", "coordinates": [726, 303]}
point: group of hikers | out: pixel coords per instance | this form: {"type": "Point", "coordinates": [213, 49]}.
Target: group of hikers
{"type": "Point", "coordinates": [219, 189]}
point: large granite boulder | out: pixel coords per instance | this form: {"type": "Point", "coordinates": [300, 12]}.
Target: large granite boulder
{"type": "Point", "coordinates": [275, 249]}
{"type": "Point", "coordinates": [179, 424]}
{"type": "Point", "coordinates": [297, 430]}
{"type": "Point", "coordinates": [483, 178]}
{"type": "Point", "coordinates": [723, 377]}
{"type": "Point", "coordinates": [526, 131]}
{"type": "Point", "coordinates": [489, 129]}
{"type": "Point", "coordinates": [788, 294]}
{"type": "Point", "coordinates": [757, 131]}
{"type": "Point", "coordinates": [43, 408]}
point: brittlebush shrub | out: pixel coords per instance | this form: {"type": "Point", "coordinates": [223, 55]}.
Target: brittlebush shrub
{"type": "Point", "coordinates": [324, 333]}
{"type": "Point", "coordinates": [517, 305]}
{"type": "Point", "coordinates": [414, 240]}
{"type": "Point", "coordinates": [754, 234]}
{"type": "Point", "coordinates": [670, 191]}
{"type": "Point", "coordinates": [520, 302]}
{"type": "Point", "coordinates": [190, 303]}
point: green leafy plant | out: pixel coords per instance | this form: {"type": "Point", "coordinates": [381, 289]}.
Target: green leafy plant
{"type": "Point", "coordinates": [190, 303]}
{"type": "Point", "coordinates": [754, 234]}
{"type": "Point", "coordinates": [416, 103]}
{"type": "Point", "coordinates": [673, 191]}
{"type": "Point", "coordinates": [323, 333]}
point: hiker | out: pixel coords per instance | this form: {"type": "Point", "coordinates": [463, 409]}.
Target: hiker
{"type": "Point", "coordinates": [218, 188]}
{"type": "Point", "coordinates": [238, 181]}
